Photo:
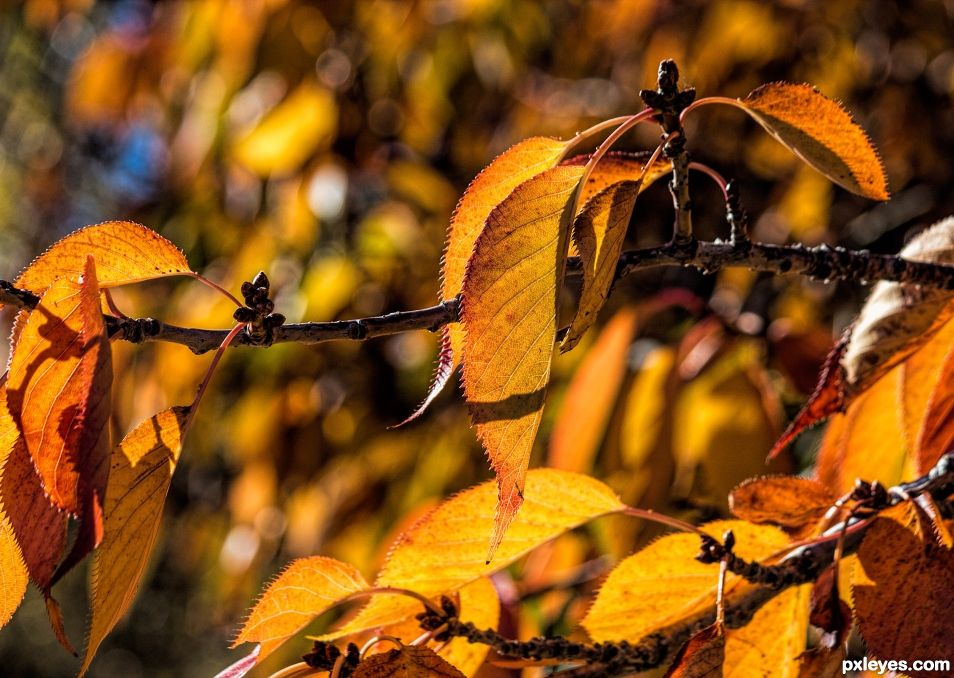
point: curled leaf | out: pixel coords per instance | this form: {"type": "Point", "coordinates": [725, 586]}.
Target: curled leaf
{"type": "Point", "coordinates": [820, 132]}
{"type": "Point", "coordinates": [141, 469]}
{"type": "Point", "coordinates": [511, 300]}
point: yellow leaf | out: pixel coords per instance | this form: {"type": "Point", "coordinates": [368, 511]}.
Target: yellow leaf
{"type": "Point", "coordinates": [664, 584]}
{"type": "Point", "coordinates": [141, 469]}
{"type": "Point", "coordinates": [479, 605]}
{"type": "Point", "coordinates": [125, 253]}
{"type": "Point", "coordinates": [511, 302]}
{"type": "Point", "coordinates": [447, 548]}
{"type": "Point", "coordinates": [820, 132]}
{"type": "Point", "coordinates": [411, 661]}
{"type": "Point", "coordinates": [304, 589]}
{"type": "Point", "coordinates": [588, 404]}
{"type": "Point", "coordinates": [866, 441]}
{"type": "Point", "coordinates": [769, 645]}
{"type": "Point", "coordinates": [511, 168]}
{"type": "Point", "coordinates": [13, 571]}
{"type": "Point", "coordinates": [291, 132]}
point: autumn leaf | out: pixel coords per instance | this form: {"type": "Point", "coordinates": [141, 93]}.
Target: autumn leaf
{"type": "Point", "coordinates": [511, 168]}
{"type": "Point", "coordinates": [788, 501]}
{"type": "Point", "coordinates": [902, 595]}
{"type": "Point", "coordinates": [13, 571]}
{"type": "Point", "coordinates": [769, 645]}
{"type": "Point", "coordinates": [411, 661]}
{"type": "Point", "coordinates": [702, 656]}
{"type": "Point", "coordinates": [897, 318]}
{"type": "Point", "coordinates": [821, 663]}
{"type": "Point", "coordinates": [141, 469]}
{"type": "Point", "coordinates": [588, 404]}
{"type": "Point", "coordinates": [304, 589]}
{"type": "Point", "coordinates": [125, 253]}
{"type": "Point", "coordinates": [820, 132]}
{"type": "Point", "coordinates": [58, 392]}
{"type": "Point", "coordinates": [936, 433]}
{"type": "Point", "coordinates": [511, 301]}
{"type": "Point", "coordinates": [663, 584]}
{"type": "Point", "coordinates": [617, 166]}
{"type": "Point", "coordinates": [828, 611]}
{"type": "Point", "coordinates": [864, 442]}
{"type": "Point", "coordinates": [447, 548]}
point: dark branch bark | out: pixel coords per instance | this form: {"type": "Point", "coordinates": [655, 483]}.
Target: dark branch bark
{"type": "Point", "coordinates": [820, 263]}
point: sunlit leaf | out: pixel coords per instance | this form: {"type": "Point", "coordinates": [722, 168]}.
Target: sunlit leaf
{"type": "Point", "coordinates": [510, 309]}
{"type": "Point", "coordinates": [58, 391]}
{"type": "Point", "coordinates": [411, 661]}
{"type": "Point", "coordinates": [13, 571]}
{"type": "Point", "coordinates": [770, 643]}
{"type": "Point", "coordinates": [589, 399]}
{"type": "Point", "coordinates": [788, 501]}
{"type": "Point", "coordinates": [304, 589]}
{"type": "Point", "coordinates": [866, 441]}
{"type": "Point", "coordinates": [820, 132]}
{"type": "Point", "coordinates": [508, 170]}
{"type": "Point", "coordinates": [617, 166]}
{"type": "Point", "coordinates": [448, 548]}
{"type": "Point", "coordinates": [291, 132]}
{"type": "Point", "coordinates": [702, 656]}
{"type": "Point", "coordinates": [936, 434]}
{"type": "Point", "coordinates": [141, 469]}
{"type": "Point", "coordinates": [902, 595]}
{"type": "Point", "coordinates": [663, 584]}
{"type": "Point", "coordinates": [125, 253]}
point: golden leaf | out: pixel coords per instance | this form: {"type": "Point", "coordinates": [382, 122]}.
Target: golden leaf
{"type": "Point", "coordinates": [13, 571]}
{"type": "Point", "coordinates": [769, 645]}
{"type": "Point", "coordinates": [511, 297]}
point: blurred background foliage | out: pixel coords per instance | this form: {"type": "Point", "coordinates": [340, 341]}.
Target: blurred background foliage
{"type": "Point", "coordinates": [327, 143]}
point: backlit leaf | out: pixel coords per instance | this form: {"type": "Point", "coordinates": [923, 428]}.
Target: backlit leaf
{"type": "Point", "coordinates": [902, 595]}
{"type": "Point", "coordinates": [125, 253]}
{"type": "Point", "coordinates": [511, 168]}
{"type": "Point", "coordinates": [588, 404]}
{"type": "Point", "coordinates": [936, 435]}
{"type": "Point", "coordinates": [511, 301]}
{"type": "Point", "coordinates": [58, 392]}
{"type": "Point", "coordinates": [304, 589]}
{"type": "Point", "coordinates": [769, 645]}
{"type": "Point", "coordinates": [702, 656]}
{"type": "Point", "coordinates": [820, 132]}
{"type": "Point", "coordinates": [141, 469]}
{"type": "Point", "coordinates": [866, 441]}
{"type": "Point", "coordinates": [617, 166]}
{"type": "Point", "coordinates": [447, 548]}
{"type": "Point", "coordinates": [788, 501]}
{"type": "Point", "coordinates": [13, 571]}
{"type": "Point", "coordinates": [663, 584]}
{"type": "Point", "coordinates": [897, 318]}
{"type": "Point", "coordinates": [411, 661]}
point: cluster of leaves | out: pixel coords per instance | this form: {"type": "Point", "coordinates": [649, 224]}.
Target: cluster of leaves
{"type": "Point", "coordinates": [506, 257]}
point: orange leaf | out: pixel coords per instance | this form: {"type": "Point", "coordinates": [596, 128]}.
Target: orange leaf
{"type": "Point", "coordinates": [936, 435]}
{"type": "Point", "coordinates": [820, 132]}
{"type": "Point", "coordinates": [821, 663]}
{"type": "Point", "coordinates": [664, 584]}
{"type": "Point", "coordinates": [586, 409]}
{"type": "Point", "coordinates": [902, 595]}
{"type": "Point", "coordinates": [304, 589]}
{"type": "Point", "coordinates": [58, 392]}
{"type": "Point", "coordinates": [770, 643]}
{"type": "Point", "coordinates": [617, 166]}
{"type": "Point", "coordinates": [411, 661]}
{"type": "Point", "coordinates": [125, 253]}
{"type": "Point", "coordinates": [866, 441]}
{"type": "Point", "coordinates": [141, 469]}
{"type": "Point", "coordinates": [447, 548]}
{"type": "Point", "coordinates": [702, 656]}
{"type": "Point", "coordinates": [788, 501]}
{"type": "Point", "coordinates": [511, 297]}
{"type": "Point", "coordinates": [511, 168]}
{"type": "Point", "coordinates": [13, 571]}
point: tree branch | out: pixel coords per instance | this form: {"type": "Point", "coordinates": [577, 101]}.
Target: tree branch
{"type": "Point", "coordinates": [820, 263]}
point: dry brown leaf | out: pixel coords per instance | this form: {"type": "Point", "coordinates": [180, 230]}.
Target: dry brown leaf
{"type": "Point", "coordinates": [702, 656]}
{"type": "Point", "coordinates": [820, 132]}
{"type": "Point", "coordinates": [511, 297]}
{"type": "Point", "coordinates": [821, 663]}
{"type": "Point", "coordinates": [788, 501]}
{"type": "Point", "coordinates": [903, 596]}
{"type": "Point", "coordinates": [141, 469]}
{"type": "Point", "coordinates": [411, 661]}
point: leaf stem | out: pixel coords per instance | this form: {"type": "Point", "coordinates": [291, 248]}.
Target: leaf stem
{"type": "Point", "coordinates": [383, 638]}
{"type": "Point", "coordinates": [662, 519]}
{"type": "Point", "coordinates": [706, 101]}
{"type": "Point", "coordinates": [712, 174]}
{"type": "Point", "coordinates": [208, 376]}
{"type": "Point", "coordinates": [215, 286]}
